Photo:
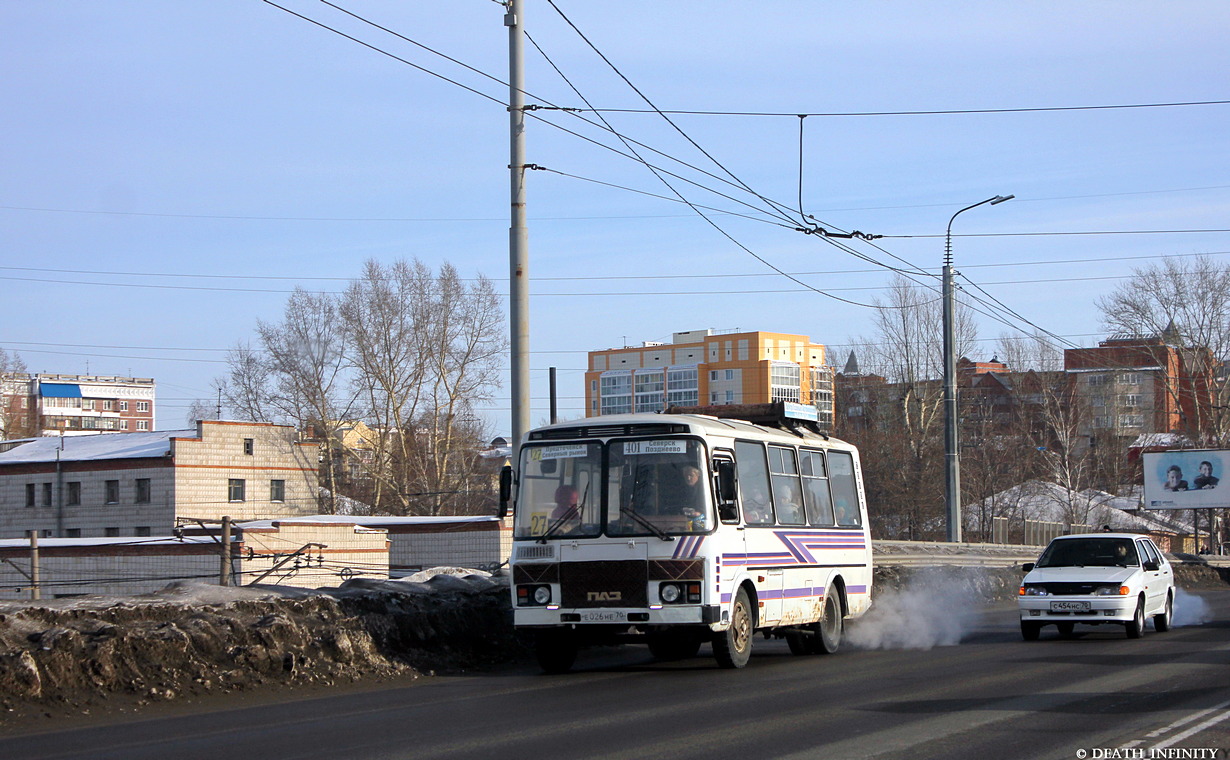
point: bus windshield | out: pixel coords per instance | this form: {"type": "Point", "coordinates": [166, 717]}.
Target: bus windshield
{"type": "Point", "coordinates": [655, 487]}
{"type": "Point", "coordinates": [560, 491]}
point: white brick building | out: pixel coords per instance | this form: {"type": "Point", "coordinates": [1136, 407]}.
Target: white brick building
{"type": "Point", "coordinates": [142, 484]}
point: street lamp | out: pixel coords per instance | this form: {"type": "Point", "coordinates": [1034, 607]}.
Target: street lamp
{"type": "Point", "coordinates": [952, 462]}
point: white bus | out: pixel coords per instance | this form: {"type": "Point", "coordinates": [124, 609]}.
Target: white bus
{"type": "Point", "coordinates": [681, 529]}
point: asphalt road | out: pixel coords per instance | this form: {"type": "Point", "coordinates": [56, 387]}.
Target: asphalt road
{"type": "Point", "coordinates": [991, 696]}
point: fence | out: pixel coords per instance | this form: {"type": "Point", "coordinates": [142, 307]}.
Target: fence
{"type": "Point", "coordinates": [1031, 532]}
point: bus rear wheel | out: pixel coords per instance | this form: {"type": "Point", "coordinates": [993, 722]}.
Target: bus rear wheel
{"type": "Point", "coordinates": [733, 647]}
{"type": "Point", "coordinates": [825, 634]}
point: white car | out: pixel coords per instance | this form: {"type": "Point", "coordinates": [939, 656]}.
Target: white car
{"type": "Point", "coordinates": [1097, 578]}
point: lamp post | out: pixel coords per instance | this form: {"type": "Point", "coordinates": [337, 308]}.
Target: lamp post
{"type": "Point", "coordinates": [952, 462]}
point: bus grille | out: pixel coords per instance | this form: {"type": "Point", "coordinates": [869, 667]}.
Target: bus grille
{"type": "Point", "coordinates": [604, 584]}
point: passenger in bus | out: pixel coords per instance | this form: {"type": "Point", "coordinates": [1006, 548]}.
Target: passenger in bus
{"type": "Point", "coordinates": [846, 513]}
{"type": "Point", "coordinates": [756, 506]}
{"type": "Point", "coordinates": [566, 504]}
{"type": "Point", "coordinates": [789, 510]}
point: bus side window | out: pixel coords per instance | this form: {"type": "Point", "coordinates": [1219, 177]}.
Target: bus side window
{"type": "Point", "coordinates": [754, 483]}
{"type": "Point", "coordinates": [726, 490]}
{"type": "Point", "coordinates": [787, 496]}
{"type": "Point", "coordinates": [816, 488]}
{"type": "Point", "coordinates": [845, 491]}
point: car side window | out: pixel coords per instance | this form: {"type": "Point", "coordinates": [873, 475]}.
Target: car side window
{"type": "Point", "coordinates": [1149, 553]}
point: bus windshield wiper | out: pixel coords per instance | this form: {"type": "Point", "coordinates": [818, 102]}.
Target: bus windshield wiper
{"type": "Point", "coordinates": [647, 524]}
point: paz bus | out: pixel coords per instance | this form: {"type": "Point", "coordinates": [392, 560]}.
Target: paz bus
{"type": "Point", "coordinates": [682, 529]}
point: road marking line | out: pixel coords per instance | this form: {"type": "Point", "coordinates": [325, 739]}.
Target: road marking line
{"type": "Point", "coordinates": [1193, 730]}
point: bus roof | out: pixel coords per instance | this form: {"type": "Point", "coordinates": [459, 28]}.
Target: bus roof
{"type": "Point", "coordinates": [612, 425]}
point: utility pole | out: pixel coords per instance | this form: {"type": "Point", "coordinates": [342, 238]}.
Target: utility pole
{"type": "Point", "coordinates": [224, 575]}
{"type": "Point", "coordinates": [952, 461]}
{"type": "Point", "coordinates": [554, 401]}
{"type": "Point", "coordinates": [36, 593]}
{"type": "Point", "coordinates": [518, 235]}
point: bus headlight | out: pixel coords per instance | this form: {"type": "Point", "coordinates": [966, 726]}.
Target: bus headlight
{"type": "Point", "coordinates": [530, 596]}
{"type": "Point", "coordinates": [670, 592]}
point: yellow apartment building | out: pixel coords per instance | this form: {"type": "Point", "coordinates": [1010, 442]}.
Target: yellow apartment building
{"type": "Point", "coordinates": [710, 367]}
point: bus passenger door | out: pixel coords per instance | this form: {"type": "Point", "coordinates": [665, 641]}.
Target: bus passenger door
{"type": "Point", "coordinates": [730, 549]}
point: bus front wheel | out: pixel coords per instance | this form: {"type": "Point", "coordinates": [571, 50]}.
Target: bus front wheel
{"type": "Point", "coordinates": [733, 646]}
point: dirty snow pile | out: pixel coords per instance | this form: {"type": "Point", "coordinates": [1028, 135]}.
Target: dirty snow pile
{"type": "Point", "coordinates": [196, 639]}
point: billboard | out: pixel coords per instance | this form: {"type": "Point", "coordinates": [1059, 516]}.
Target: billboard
{"type": "Point", "coordinates": [1187, 479]}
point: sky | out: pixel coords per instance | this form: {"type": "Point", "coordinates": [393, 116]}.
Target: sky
{"type": "Point", "coordinates": [170, 171]}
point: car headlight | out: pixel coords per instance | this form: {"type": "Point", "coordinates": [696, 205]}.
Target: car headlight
{"type": "Point", "coordinates": [1034, 591]}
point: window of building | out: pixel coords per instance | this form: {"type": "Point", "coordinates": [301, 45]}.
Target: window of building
{"type": "Point", "coordinates": [648, 389]}
{"type": "Point", "coordinates": [123, 424]}
{"type": "Point", "coordinates": [277, 490]}
{"type": "Point", "coordinates": [107, 405]}
{"type": "Point", "coordinates": [112, 532]}
{"type": "Point", "coordinates": [72, 533]}
{"type": "Point", "coordinates": [235, 489]}
{"type": "Point", "coordinates": [682, 386]}
{"type": "Point", "coordinates": [113, 491]}
{"type": "Point", "coordinates": [1130, 378]}
{"type": "Point", "coordinates": [248, 446]}
{"type": "Point", "coordinates": [87, 403]}
{"type": "Point", "coordinates": [785, 382]}
{"type": "Point", "coordinates": [1131, 421]}
{"type": "Point", "coordinates": [142, 424]}
{"type": "Point", "coordinates": [730, 374]}
{"type": "Point", "coordinates": [616, 393]}
{"type": "Point", "coordinates": [142, 530]}
{"type": "Point", "coordinates": [142, 406]}
{"type": "Point", "coordinates": [46, 494]}
{"type": "Point", "coordinates": [30, 494]}
{"type": "Point", "coordinates": [143, 491]}
{"type": "Point", "coordinates": [123, 406]}
{"type": "Point", "coordinates": [74, 493]}
{"type": "Point", "coordinates": [1131, 399]}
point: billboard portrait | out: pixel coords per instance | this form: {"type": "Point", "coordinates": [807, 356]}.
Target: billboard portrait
{"type": "Point", "coordinates": [1187, 479]}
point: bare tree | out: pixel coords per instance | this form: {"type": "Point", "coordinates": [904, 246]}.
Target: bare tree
{"type": "Point", "coordinates": [425, 348]}
{"type": "Point", "coordinates": [903, 442]}
{"type": "Point", "coordinates": [13, 423]}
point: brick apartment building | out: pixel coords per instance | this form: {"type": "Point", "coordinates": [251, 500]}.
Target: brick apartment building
{"type": "Point", "coordinates": [1129, 386]}
{"type": "Point", "coordinates": [141, 484]}
{"type": "Point", "coordinates": [50, 404]}
{"type": "Point", "coordinates": [708, 367]}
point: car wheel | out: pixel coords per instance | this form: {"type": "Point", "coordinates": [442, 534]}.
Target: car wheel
{"type": "Point", "coordinates": [556, 650]}
{"type": "Point", "coordinates": [1066, 629]}
{"type": "Point", "coordinates": [1163, 620]}
{"type": "Point", "coordinates": [1136, 626]}
{"type": "Point", "coordinates": [733, 647]}
{"type": "Point", "coordinates": [1030, 630]}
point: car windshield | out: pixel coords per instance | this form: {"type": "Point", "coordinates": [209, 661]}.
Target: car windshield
{"type": "Point", "coordinates": [1090, 552]}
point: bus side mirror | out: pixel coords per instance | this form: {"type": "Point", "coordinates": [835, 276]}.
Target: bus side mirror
{"type": "Point", "coordinates": [727, 488]}
{"type": "Point", "coordinates": [506, 480]}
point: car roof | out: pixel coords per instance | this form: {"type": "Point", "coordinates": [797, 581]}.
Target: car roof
{"type": "Point", "coordinates": [1100, 535]}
